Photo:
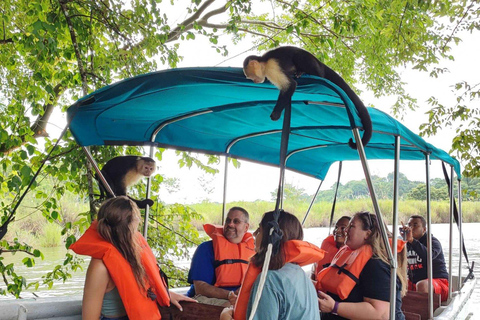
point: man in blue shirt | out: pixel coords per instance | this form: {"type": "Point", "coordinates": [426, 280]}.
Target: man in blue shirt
{"type": "Point", "coordinates": [218, 265]}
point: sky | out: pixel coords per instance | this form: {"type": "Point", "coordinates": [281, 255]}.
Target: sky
{"type": "Point", "coordinates": [252, 181]}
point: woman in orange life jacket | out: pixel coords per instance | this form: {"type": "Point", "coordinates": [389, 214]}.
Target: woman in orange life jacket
{"type": "Point", "coordinates": [112, 289]}
{"type": "Point", "coordinates": [331, 245]}
{"type": "Point", "coordinates": [357, 283]}
{"type": "Point", "coordinates": [287, 293]}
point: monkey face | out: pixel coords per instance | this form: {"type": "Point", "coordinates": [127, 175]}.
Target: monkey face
{"type": "Point", "coordinates": [147, 168]}
{"type": "Point", "coordinates": [254, 72]}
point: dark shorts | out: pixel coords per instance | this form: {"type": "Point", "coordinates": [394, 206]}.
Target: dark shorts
{"type": "Point", "coordinates": [102, 317]}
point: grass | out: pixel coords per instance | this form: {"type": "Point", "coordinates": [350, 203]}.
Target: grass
{"type": "Point", "coordinates": [34, 229]}
{"type": "Point", "coordinates": [319, 215]}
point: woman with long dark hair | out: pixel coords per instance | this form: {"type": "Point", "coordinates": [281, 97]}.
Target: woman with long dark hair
{"type": "Point", "coordinates": [123, 279]}
{"type": "Point", "coordinates": [288, 293]}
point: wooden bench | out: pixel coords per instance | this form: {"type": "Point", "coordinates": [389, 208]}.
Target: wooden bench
{"type": "Point", "coordinates": [415, 305]}
{"type": "Point", "coordinates": [191, 311]}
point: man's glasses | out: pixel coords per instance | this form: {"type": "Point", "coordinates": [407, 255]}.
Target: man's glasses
{"type": "Point", "coordinates": [235, 221]}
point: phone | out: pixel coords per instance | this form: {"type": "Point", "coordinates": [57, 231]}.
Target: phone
{"type": "Point", "coordinates": [403, 233]}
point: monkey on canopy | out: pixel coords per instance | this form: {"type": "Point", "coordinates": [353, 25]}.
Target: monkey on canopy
{"type": "Point", "coordinates": [283, 64]}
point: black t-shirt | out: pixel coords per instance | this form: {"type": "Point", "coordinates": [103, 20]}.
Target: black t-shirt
{"type": "Point", "coordinates": [374, 283]}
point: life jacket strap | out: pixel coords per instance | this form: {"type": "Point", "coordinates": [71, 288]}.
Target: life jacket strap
{"type": "Point", "coordinates": [341, 269]}
{"type": "Point", "coordinates": [218, 263]}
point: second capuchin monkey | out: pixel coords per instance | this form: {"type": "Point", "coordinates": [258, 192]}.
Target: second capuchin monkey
{"type": "Point", "coordinates": [124, 171]}
{"type": "Point", "coordinates": [282, 65]}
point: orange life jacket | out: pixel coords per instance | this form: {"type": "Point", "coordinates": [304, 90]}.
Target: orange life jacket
{"type": "Point", "coordinates": [135, 300]}
{"type": "Point", "coordinates": [231, 259]}
{"type": "Point", "coordinates": [296, 251]}
{"type": "Point", "coordinates": [343, 273]}
{"type": "Point", "coordinates": [400, 244]}
{"type": "Point", "coordinates": [330, 247]}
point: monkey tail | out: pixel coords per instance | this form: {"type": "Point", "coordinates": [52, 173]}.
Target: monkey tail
{"type": "Point", "coordinates": [361, 109]}
{"type": "Point", "coordinates": [367, 127]}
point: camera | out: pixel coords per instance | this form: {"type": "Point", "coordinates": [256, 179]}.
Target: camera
{"type": "Point", "coordinates": [403, 233]}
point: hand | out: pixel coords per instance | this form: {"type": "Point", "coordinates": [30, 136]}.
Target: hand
{"type": "Point", "coordinates": [175, 299]}
{"type": "Point", "coordinates": [325, 302]}
{"type": "Point", "coordinates": [227, 314]}
{"type": "Point", "coordinates": [232, 298]}
{"type": "Point", "coordinates": [408, 233]}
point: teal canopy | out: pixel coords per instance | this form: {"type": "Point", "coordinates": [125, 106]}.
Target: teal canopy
{"type": "Point", "coordinates": [219, 111]}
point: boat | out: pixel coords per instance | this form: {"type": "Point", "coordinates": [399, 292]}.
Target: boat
{"type": "Point", "coordinates": [218, 111]}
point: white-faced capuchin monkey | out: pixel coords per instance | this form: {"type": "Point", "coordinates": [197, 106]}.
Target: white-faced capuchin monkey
{"type": "Point", "coordinates": [124, 171]}
{"type": "Point", "coordinates": [282, 65]}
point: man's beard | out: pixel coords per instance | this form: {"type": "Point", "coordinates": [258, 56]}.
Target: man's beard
{"type": "Point", "coordinates": [230, 233]}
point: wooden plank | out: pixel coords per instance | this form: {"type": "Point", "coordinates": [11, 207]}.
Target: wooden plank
{"type": "Point", "coordinates": [417, 303]}
{"type": "Point", "coordinates": [191, 311]}
{"type": "Point", "coordinates": [411, 316]}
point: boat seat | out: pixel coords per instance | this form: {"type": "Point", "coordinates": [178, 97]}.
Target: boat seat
{"type": "Point", "coordinates": [415, 304]}
{"type": "Point", "coordinates": [191, 311]}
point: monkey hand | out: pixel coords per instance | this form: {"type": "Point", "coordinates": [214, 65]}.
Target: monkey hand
{"type": "Point", "coordinates": [142, 204]}
{"type": "Point", "coordinates": [277, 111]}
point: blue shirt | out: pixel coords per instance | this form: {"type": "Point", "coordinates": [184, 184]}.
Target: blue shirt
{"type": "Point", "coordinates": [202, 267]}
{"type": "Point", "coordinates": [288, 294]}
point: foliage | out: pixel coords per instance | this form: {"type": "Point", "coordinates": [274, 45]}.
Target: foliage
{"type": "Point", "coordinates": [291, 193]}
{"type": "Point", "coordinates": [53, 52]}
{"type": "Point", "coordinates": [319, 215]}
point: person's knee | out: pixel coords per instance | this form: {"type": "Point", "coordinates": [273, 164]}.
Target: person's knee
{"type": "Point", "coordinates": [422, 286]}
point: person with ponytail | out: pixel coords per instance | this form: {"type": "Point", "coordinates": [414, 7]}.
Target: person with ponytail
{"type": "Point", "coordinates": [357, 282]}
{"type": "Point", "coordinates": [123, 279]}
{"type": "Point", "coordinates": [288, 293]}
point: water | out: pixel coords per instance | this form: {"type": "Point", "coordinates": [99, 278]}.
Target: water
{"type": "Point", "coordinates": [74, 286]}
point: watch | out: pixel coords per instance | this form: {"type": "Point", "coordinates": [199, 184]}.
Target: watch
{"type": "Point", "coordinates": [335, 308]}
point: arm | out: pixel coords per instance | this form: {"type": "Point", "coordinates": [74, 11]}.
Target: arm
{"type": "Point", "coordinates": [175, 299]}
{"type": "Point", "coordinates": [95, 286]}
{"type": "Point", "coordinates": [207, 290]}
{"type": "Point", "coordinates": [436, 248]}
{"type": "Point", "coordinates": [368, 309]}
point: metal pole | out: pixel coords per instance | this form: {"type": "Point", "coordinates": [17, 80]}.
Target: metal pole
{"type": "Point", "coordinates": [368, 179]}
{"type": "Point", "coordinates": [147, 208]}
{"type": "Point", "coordinates": [429, 240]}
{"type": "Point", "coordinates": [311, 203]}
{"type": "Point", "coordinates": [97, 170]}
{"type": "Point", "coordinates": [225, 189]}
{"type": "Point", "coordinates": [460, 236]}
{"type": "Point", "coordinates": [393, 268]}
{"type": "Point", "coordinates": [450, 239]}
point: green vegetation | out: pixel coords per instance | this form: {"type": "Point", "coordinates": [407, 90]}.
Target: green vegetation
{"type": "Point", "coordinates": [53, 52]}
{"type": "Point", "coordinates": [319, 215]}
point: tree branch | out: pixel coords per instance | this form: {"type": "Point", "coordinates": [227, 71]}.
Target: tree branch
{"type": "Point", "coordinates": [187, 24]}
{"type": "Point", "coordinates": [40, 126]}
{"type": "Point", "coordinates": [456, 27]}
{"type": "Point", "coordinates": [73, 36]}
{"type": "Point", "coordinates": [323, 26]}
{"type": "Point", "coordinates": [15, 250]}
